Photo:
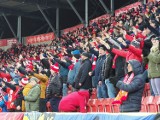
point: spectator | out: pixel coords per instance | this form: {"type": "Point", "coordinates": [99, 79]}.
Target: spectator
{"type": "Point", "coordinates": [74, 67]}
{"type": "Point", "coordinates": [54, 88]}
{"type": "Point", "coordinates": [76, 102]}
{"type": "Point", "coordinates": [153, 66]}
{"type": "Point", "coordinates": [83, 80]}
{"type": "Point", "coordinates": [32, 99]}
{"type": "Point", "coordinates": [97, 73]}
{"type": "Point", "coordinates": [131, 88]}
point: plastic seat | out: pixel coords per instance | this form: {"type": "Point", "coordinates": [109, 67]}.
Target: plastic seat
{"type": "Point", "coordinates": [151, 105]}
{"type": "Point", "coordinates": [107, 103]}
{"type": "Point", "coordinates": [157, 102]}
{"type": "Point", "coordinates": [115, 108]}
{"type": "Point", "coordinates": [93, 106]}
{"type": "Point", "coordinates": [143, 105]}
{"type": "Point", "coordinates": [100, 105]}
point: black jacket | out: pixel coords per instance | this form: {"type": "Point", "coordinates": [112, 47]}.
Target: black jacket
{"type": "Point", "coordinates": [83, 76]}
{"type": "Point", "coordinates": [54, 88]}
{"type": "Point", "coordinates": [107, 70]}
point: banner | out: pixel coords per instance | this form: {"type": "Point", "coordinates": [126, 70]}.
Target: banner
{"type": "Point", "coordinates": [11, 116]}
{"type": "Point", "coordinates": [11, 41]}
{"type": "Point", "coordinates": [3, 42]}
{"type": "Point", "coordinates": [40, 38]}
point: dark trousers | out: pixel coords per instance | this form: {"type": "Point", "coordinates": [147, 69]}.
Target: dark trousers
{"type": "Point", "coordinates": [54, 101]}
{"type": "Point", "coordinates": [42, 105]}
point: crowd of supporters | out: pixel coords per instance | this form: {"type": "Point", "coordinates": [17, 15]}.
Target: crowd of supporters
{"type": "Point", "coordinates": [116, 56]}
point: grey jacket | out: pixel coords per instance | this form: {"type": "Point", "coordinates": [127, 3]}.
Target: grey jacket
{"type": "Point", "coordinates": [32, 99]}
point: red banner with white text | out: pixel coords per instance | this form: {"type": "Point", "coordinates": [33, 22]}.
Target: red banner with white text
{"type": "Point", "coordinates": [40, 38]}
{"type": "Point", "coordinates": [7, 42]}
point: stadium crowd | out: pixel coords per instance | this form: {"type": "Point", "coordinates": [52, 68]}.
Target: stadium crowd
{"type": "Point", "coordinates": [116, 56]}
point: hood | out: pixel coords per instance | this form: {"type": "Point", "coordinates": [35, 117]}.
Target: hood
{"type": "Point", "coordinates": [84, 93]}
{"type": "Point", "coordinates": [136, 66]}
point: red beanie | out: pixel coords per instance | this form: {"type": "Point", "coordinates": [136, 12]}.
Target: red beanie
{"type": "Point", "coordinates": [24, 81]}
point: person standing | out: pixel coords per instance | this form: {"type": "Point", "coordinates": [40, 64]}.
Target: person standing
{"type": "Point", "coordinates": [33, 97]}
{"type": "Point", "coordinates": [154, 65]}
{"type": "Point", "coordinates": [54, 88]}
{"type": "Point", "coordinates": [83, 80]}
{"type": "Point", "coordinates": [97, 73]}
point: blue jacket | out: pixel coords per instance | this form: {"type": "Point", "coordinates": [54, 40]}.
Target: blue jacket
{"type": "Point", "coordinates": [98, 70]}
{"type": "Point", "coordinates": [73, 73]}
{"type": "Point", "coordinates": [2, 103]}
{"type": "Point", "coordinates": [134, 89]}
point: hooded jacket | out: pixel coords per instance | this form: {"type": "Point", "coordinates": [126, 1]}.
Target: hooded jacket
{"type": "Point", "coordinates": [75, 100]}
{"type": "Point", "coordinates": [134, 89]}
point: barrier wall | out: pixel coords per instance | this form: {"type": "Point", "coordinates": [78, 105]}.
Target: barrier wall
{"type": "Point", "coordinates": [76, 116]}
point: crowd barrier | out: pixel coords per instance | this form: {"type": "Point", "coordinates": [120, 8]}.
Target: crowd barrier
{"type": "Point", "coordinates": [76, 116]}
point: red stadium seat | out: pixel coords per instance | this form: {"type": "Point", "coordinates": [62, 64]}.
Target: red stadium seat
{"type": "Point", "coordinates": [100, 105]}
{"type": "Point", "coordinates": [115, 108]}
{"type": "Point", "coordinates": [157, 102]}
{"type": "Point", "coordinates": [151, 105]}
{"type": "Point", "coordinates": [107, 103]}
{"type": "Point", "coordinates": [93, 106]}
{"type": "Point", "coordinates": [143, 105]}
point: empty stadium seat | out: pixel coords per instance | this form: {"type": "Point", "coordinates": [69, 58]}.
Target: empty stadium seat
{"type": "Point", "coordinates": [115, 108]}
{"type": "Point", "coordinates": [100, 105]}
{"type": "Point", "coordinates": [157, 102]}
{"type": "Point", "coordinates": [107, 103]}
{"type": "Point", "coordinates": [93, 106]}
{"type": "Point", "coordinates": [151, 105]}
{"type": "Point", "coordinates": [143, 105]}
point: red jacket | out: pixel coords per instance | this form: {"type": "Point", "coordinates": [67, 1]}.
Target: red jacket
{"type": "Point", "coordinates": [127, 54]}
{"type": "Point", "coordinates": [74, 101]}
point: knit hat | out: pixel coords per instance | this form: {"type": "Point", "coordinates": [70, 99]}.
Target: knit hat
{"type": "Point", "coordinates": [86, 54]}
{"type": "Point", "coordinates": [75, 52]}
{"type": "Point", "coordinates": [35, 79]}
{"type": "Point", "coordinates": [55, 67]}
{"type": "Point", "coordinates": [24, 81]}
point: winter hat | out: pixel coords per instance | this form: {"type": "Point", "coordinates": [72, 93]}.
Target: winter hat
{"type": "Point", "coordinates": [24, 81]}
{"type": "Point", "coordinates": [35, 79]}
{"type": "Point", "coordinates": [75, 52]}
{"type": "Point", "coordinates": [86, 54]}
{"type": "Point", "coordinates": [55, 67]}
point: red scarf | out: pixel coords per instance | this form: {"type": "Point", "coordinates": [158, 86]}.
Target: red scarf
{"type": "Point", "coordinates": [122, 95]}
{"type": "Point", "coordinates": [72, 65]}
{"type": "Point", "coordinates": [114, 61]}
